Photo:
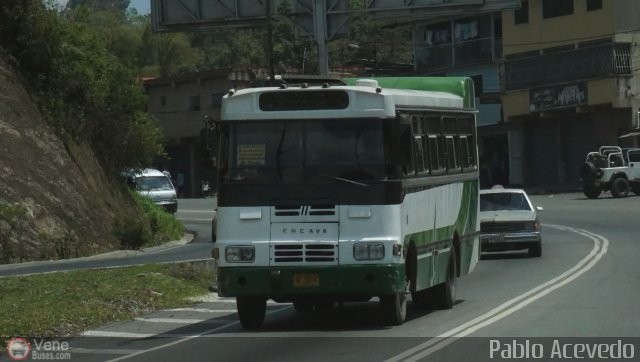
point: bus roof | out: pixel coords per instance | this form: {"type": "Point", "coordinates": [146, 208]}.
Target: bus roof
{"type": "Point", "coordinates": [461, 86]}
{"type": "Point", "coordinates": [367, 99]}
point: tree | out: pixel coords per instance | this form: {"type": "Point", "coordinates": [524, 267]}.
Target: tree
{"type": "Point", "coordinates": [82, 89]}
{"type": "Point", "coordinates": [120, 6]}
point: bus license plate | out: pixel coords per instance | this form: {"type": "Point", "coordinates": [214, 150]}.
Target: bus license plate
{"type": "Point", "coordinates": [306, 280]}
{"type": "Point", "coordinates": [494, 238]}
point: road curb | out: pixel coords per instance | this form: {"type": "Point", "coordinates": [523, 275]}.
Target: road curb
{"type": "Point", "coordinates": [186, 238]}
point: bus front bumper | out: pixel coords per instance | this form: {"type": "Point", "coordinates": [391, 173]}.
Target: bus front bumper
{"type": "Point", "coordinates": [286, 283]}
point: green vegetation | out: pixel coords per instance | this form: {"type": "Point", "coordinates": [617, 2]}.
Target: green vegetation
{"type": "Point", "coordinates": [82, 89]}
{"type": "Point", "coordinates": [62, 304]}
{"type": "Point", "coordinates": [84, 65]}
{"type": "Point", "coordinates": [154, 226]}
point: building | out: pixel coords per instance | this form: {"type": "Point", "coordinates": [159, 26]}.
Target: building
{"type": "Point", "coordinates": [471, 46]}
{"type": "Point", "coordinates": [180, 105]}
{"type": "Point", "coordinates": [571, 83]}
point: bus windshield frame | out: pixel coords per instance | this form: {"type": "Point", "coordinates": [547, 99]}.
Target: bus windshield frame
{"type": "Point", "coordinates": [295, 151]}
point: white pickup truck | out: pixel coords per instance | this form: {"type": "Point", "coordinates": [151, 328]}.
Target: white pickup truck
{"type": "Point", "coordinates": [612, 169]}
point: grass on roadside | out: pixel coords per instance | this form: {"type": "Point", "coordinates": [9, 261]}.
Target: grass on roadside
{"type": "Point", "coordinates": [154, 226]}
{"type": "Point", "coordinates": [64, 304]}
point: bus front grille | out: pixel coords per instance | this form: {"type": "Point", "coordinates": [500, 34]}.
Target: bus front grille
{"type": "Point", "coordinates": [313, 252]}
{"type": "Point", "coordinates": [305, 210]}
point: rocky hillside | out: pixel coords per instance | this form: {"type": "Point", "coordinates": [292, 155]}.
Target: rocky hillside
{"type": "Point", "coordinates": [55, 201]}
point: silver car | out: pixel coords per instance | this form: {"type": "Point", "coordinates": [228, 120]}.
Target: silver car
{"type": "Point", "coordinates": [155, 185]}
{"type": "Point", "coordinates": [508, 221]}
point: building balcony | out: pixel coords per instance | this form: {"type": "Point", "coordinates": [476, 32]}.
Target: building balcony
{"type": "Point", "coordinates": [450, 55]}
{"type": "Point", "coordinates": [583, 63]}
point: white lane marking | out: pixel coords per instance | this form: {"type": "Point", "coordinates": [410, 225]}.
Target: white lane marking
{"type": "Point", "coordinates": [200, 310]}
{"type": "Point", "coordinates": [188, 338]}
{"type": "Point", "coordinates": [117, 334]}
{"type": "Point", "coordinates": [600, 247]}
{"type": "Point", "coordinates": [102, 350]}
{"type": "Point", "coordinates": [180, 320]}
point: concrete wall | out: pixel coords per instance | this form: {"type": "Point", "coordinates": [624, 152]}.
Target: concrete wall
{"type": "Point", "coordinates": [540, 33]}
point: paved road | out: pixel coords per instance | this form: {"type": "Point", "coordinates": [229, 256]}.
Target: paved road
{"type": "Point", "coordinates": [196, 215]}
{"type": "Point", "coordinates": [584, 285]}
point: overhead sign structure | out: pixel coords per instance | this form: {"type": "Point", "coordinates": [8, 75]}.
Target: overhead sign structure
{"type": "Point", "coordinates": [321, 20]}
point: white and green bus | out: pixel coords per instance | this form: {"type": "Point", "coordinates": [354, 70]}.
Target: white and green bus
{"type": "Point", "coordinates": [338, 193]}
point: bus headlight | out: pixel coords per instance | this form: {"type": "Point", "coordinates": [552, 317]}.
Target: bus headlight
{"type": "Point", "coordinates": [239, 254]}
{"type": "Point", "coordinates": [368, 251]}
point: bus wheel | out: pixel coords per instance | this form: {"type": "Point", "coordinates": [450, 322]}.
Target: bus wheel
{"type": "Point", "coordinates": [445, 293]}
{"type": "Point", "coordinates": [394, 308]}
{"type": "Point", "coordinates": [251, 311]}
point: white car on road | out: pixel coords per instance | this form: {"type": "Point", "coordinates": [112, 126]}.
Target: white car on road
{"type": "Point", "coordinates": [508, 221]}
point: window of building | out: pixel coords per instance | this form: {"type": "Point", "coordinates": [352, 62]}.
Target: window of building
{"type": "Point", "coordinates": [438, 34]}
{"type": "Point", "coordinates": [594, 5]}
{"type": "Point", "coordinates": [521, 16]}
{"type": "Point", "coordinates": [497, 27]}
{"type": "Point", "coordinates": [163, 100]}
{"type": "Point", "coordinates": [194, 103]}
{"type": "Point", "coordinates": [477, 84]}
{"type": "Point", "coordinates": [216, 99]}
{"type": "Point", "coordinates": [555, 8]}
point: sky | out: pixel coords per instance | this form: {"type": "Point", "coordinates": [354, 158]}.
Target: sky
{"type": "Point", "coordinates": [143, 6]}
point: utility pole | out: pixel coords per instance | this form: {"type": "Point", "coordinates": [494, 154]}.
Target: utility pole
{"type": "Point", "coordinates": [272, 68]}
{"type": "Point", "coordinates": [320, 27]}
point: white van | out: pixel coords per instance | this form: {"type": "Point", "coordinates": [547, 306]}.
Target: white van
{"type": "Point", "coordinates": [155, 185]}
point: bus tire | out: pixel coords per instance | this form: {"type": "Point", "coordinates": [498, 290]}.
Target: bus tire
{"type": "Point", "coordinates": [620, 187]}
{"type": "Point", "coordinates": [445, 293]}
{"type": "Point", "coordinates": [394, 308]}
{"type": "Point", "coordinates": [251, 311]}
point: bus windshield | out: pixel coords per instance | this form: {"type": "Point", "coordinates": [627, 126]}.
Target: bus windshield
{"type": "Point", "coordinates": [309, 151]}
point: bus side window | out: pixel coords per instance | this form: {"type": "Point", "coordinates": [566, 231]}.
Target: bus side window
{"type": "Point", "coordinates": [442, 152]}
{"type": "Point", "coordinates": [451, 154]}
{"type": "Point", "coordinates": [420, 155]}
{"type": "Point", "coordinates": [465, 154]}
{"type": "Point", "coordinates": [434, 159]}
{"type": "Point", "coordinates": [405, 149]}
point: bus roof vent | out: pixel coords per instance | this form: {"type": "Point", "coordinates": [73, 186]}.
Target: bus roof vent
{"type": "Point", "coordinates": [367, 83]}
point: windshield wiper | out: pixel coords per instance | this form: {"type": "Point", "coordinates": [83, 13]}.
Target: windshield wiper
{"type": "Point", "coordinates": [345, 180]}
